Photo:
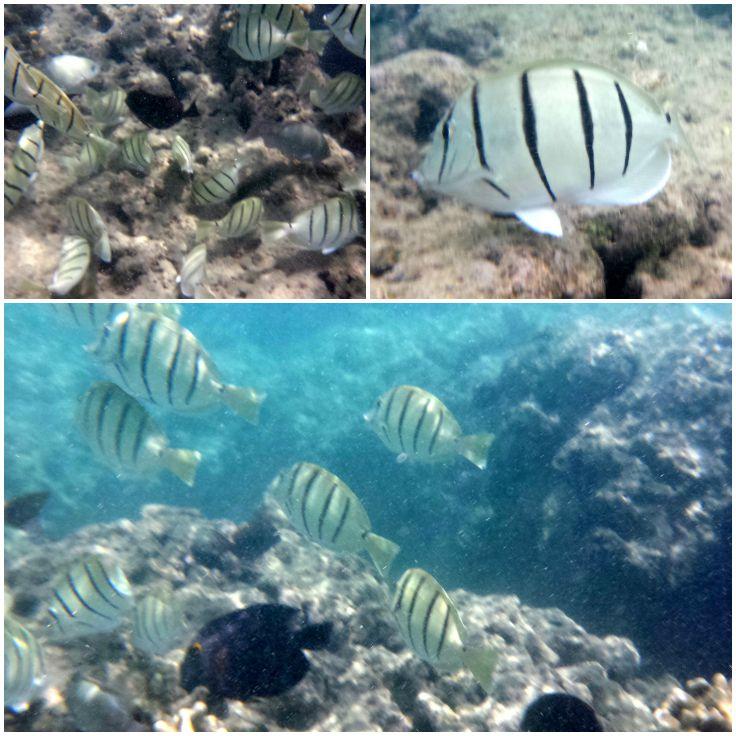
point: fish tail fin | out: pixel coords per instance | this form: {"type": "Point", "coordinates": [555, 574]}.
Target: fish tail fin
{"type": "Point", "coordinates": [273, 231]}
{"type": "Point", "coordinates": [481, 661]}
{"type": "Point", "coordinates": [299, 40]}
{"type": "Point", "coordinates": [192, 111]}
{"type": "Point", "coordinates": [103, 247]}
{"type": "Point", "coordinates": [317, 40]}
{"type": "Point", "coordinates": [308, 84]}
{"type": "Point", "coordinates": [315, 636]}
{"type": "Point", "coordinates": [102, 145]}
{"type": "Point", "coordinates": [204, 228]}
{"type": "Point", "coordinates": [182, 463]}
{"type": "Point", "coordinates": [246, 402]}
{"type": "Point", "coordinates": [474, 447]}
{"type": "Point", "coordinates": [382, 551]}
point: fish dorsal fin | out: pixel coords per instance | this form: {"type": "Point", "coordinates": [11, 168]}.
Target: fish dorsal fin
{"type": "Point", "coordinates": [543, 220]}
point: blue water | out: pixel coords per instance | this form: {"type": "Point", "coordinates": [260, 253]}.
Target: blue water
{"type": "Point", "coordinates": [322, 367]}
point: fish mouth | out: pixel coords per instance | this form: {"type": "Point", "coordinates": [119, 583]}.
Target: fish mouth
{"type": "Point", "coordinates": [416, 175]}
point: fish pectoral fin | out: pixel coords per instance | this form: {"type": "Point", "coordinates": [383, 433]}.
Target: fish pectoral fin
{"type": "Point", "coordinates": [543, 220]}
{"type": "Point", "coordinates": [402, 458]}
{"type": "Point", "coordinates": [635, 186]}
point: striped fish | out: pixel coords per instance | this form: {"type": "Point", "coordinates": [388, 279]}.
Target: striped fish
{"type": "Point", "coordinates": [416, 424]}
{"type": "Point", "coordinates": [241, 219]}
{"type": "Point", "coordinates": [354, 181]}
{"type": "Point", "coordinates": [255, 38]}
{"type": "Point", "coordinates": [76, 254]}
{"type": "Point", "coordinates": [93, 315]}
{"type": "Point", "coordinates": [124, 437]}
{"type": "Point", "coordinates": [431, 626]}
{"type": "Point", "coordinates": [158, 360]}
{"type": "Point", "coordinates": [24, 165]}
{"type": "Point", "coordinates": [558, 132]}
{"type": "Point", "coordinates": [285, 17]}
{"type": "Point", "coordinates": [322, 507]}
{"type": "Point", "coordinates": [182, 154]}
{"type": "Point", "coordinates": [85, 220]}
{"type": "Point", "coordinates": [158, 625]}
{"type": "Point", "coordinates": [136, 152]}
{"type": "Point", "coordinates": [24, 667]}
{"type": "Point", "coordinates": [341, 94]}
{"type": "Point", "coordinates": [193, 271]}
{"type": "Point", "coordinates": [218, 187]}
{"type": "Point", "coordinates": [347, 23]}
{"type": "Point", "coordinates": [92, 597]}
{"type": "Point", "coordinates": [326, 227]}
{"type": "Point", "coordinates": [107, 108]}
{"type": "Point", "coordinates": [90, 161]}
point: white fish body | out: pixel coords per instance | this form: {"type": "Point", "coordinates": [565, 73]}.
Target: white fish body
{"type": "Point", "coordinates": [76, 255]}
{"type": "Point", "coordinates": [107, 108]}
{"type": "Point", "coordinates": [86, 221]}
{"type": "Point", "coordinates": [72, 73]}
{"type": "Point", "coordinates": [24, 667]}
{"type": "Point", "coordinates": [182, 154]}
{"type": "Point", "coordinates": [242, 218]}
{"type": "Point", "coordinates": [555, 132]}
{"type": "Point", "coordinates": [193, 271]}
{"type": "Point", "coordinates": [24, 165]}
{"type": "Point", "coordinates": [256, 38]}
{"type": "Point", "coordinates": [158, 624]}
{"type": "Point", "coordinates": [347, 23]}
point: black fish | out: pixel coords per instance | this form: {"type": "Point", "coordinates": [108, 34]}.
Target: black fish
{"type": "Point", "coordinates": [18, 120]}
{"type": "Point", "coordinates": [560, 712]}
{"type": "Point", "coordinates": [158, 111]}
{"type": "Point", "coordinates": [20, 510]}
{"type": "Point", "coordinates": [252, 652]}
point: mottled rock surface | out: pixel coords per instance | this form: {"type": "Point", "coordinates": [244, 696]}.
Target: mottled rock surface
{"type": "Point", "coordinates": [677, 245]}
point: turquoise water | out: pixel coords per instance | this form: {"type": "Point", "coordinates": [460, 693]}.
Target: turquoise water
{"type": "Point", "coordinates": [496, 367]}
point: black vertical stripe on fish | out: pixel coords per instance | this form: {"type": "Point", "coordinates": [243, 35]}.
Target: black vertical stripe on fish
{"type": "Point", "coordinates": [270, 38]}
{"type": "Point", "coordinates": [410, 612]}
{"type": "Point", "coordinates": [387, 414]}
{"type": "Point", "coordinates": [122, 342]}
{"type": "Point", "coordinates": [419, 426]}
{"type": "Point", "coordinates": [425, 623]}
{"type": "Point", "coordinates": [497, 188]}
{"type": "Point", "coordinates": [258, 36]}
{"type": "Point", "coordinates": [138, 440]}
{"type": "Point", "coordinates": [107, 580]}
{"type": "Point", "coordinates": [195, 378]}
{"type": "Point", "coordinates": [401, 418]}
{"type": "Point", "coordinates": [627, 122]}
{"type": "Point", "coordinates": [339, 223]}
{"type": "Point", "coordinates": [307, 489]}
{"type": "Point", "coordinates": [343, 517]}
{"type": "Point", "coordinates": [667, 117]}
{"type": "Point", "coordinates": [445, 142]}
{"type": "Point", "coordinates": [400, 597]}
{"type": "Point", "coordinates": [587, 121]}
{"type": "Point", "coordinates": [326, 222]}
{"type": "Point", "coordinates": [56, 618]}
{"type": "Point", "coordinates": [444, 632]}
{"type": "Point", "coordinates": [81, 600]}
{"type": "Point", "coordinates": [325, 509]}
{"type": "Point", "coordinates": [478, 128]}
{"type": "Point", "coordinates": [356, 15]}
{"type": "Point", "coordinates": [292, 484]}
{"type": "Point", "coordinates": [340, 14]}
{"type": "Point", "coordinates": [311, 221]}
{"type": "Point", "coordinates": [529, 123]}
{"type": "Point", "coordinates": [436, 432]}
{"type": "Point", "coordinates": [171, 372]}
{"type": "Point", "coordinates": [101, 418]}
{"type": "Point", "coordinates": [15, 77]}
{"type": "Point", "coordinates": [69, 611]}
{"type": "Point", "coordinates": [144, 358]}
{"type": "Point", "coordinates": [119, 433]}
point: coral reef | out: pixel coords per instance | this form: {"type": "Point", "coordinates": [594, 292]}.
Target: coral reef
{"type": "Point", "coordinates": [150, 219]}
{"type": "Point", "coordinates": [701, 706]}
{"type": "Point", "coordinates": [676, 245]}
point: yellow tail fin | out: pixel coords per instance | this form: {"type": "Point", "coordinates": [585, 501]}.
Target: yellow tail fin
{"type": "Point", "coordinates": [246, 402]}
{"type": "Point", "coordinates": [182, 463]}
{"type": "Point", "coordinates": [317, 40]}
{"type": "Point", "coordinates": [382, 551]}
{"type": "Point", "coordinates": [474, 447]}
{"type": "Point", "coordinates": [481, 661]}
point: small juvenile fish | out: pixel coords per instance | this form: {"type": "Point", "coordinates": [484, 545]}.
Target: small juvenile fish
{"type": "Point", "coordinates": [158, 625]}
{"type": "Point", "coordinates": [555, 132]}
{"type": "Point", "coordinates": [255, 38]}
{"type": "Point", "coordinates": [158, 111]}
{"type": "Point", "coordinates": [431, 626]}
{"type": "Point", "coordinates": [162, 362]}
{"type": "Point", "coordinates": [76, 254]}
{"type": "Point", "coordinates": [107, 108]}
{"type": "Point", "coordinates": [347, 23]}
{"type": "Point", "coordinates": [322, 507]}
{"type": "Point", "coordinates": [243, 217]}
{"type": "Point", "coordinates": [416, 424]}
{"type": "Point", "coordinates": [182, 154]}
{"type": "Point", "coordinates": [72, 73]}
{"type": "Point", "coordinates": [217, 187]}
{"type": "Point", "coordinates": [285, 17]}
{"type": "Point", "coordinates": [193, 271]}
{"type": "Point", "coordinates": [123, 436]}
{"type": "Point", "coordinates": [86, 221]}
{"type": "Point", "coordinates": [23, 167]}
{"type": "Point", "coordinates": [91, 160]}
{"type": "Point", "coordinates": [326, 227]}
{"type": "Point", "coordinates": [136, 152]}
{"type": "Point", "coordinates": [93, 596]}
{"type": "Point", "coordinates": [341, 94]}
{"type": "Point", "coordinates": [24, 667]}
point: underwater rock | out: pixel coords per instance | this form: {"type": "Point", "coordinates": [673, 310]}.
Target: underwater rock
{"type": "Point", "coordinates": [702, 706]}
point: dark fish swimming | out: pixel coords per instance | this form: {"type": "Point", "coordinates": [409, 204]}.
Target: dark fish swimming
{"type": "Point", "coordinates": [560, 712]}
{"type": "Point", "coordinates": [253, 652]}
{"type": "Point", "coordinates": [158, 111]}
{"type": "Point", "coordinates": [296, 140]}
{"type": "Point", "coordinates": [21, 510]}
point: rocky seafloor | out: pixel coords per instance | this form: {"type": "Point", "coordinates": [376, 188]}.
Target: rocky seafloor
{"type": "Point", "coordinates": [366, 680]}
{"type": "Point", "coordinates": [150, 220]}
{"type": "Point", "coordinates": [677, 245]}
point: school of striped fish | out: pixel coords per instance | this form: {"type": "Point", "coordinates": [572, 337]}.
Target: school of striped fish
{"type": "Point", "coordinates": [257, 33]}
{"type": "Point", "coordinates": [151, 359]}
